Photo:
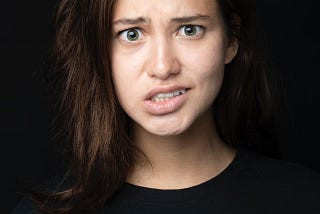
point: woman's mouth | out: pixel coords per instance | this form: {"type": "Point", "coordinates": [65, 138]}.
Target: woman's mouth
{"type": "Point", "coordinates": [165, 101]}
{"type": "Point", "coordinates": [166, 96]}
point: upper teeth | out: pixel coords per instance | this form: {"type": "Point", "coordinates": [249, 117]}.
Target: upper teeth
{"type": "Point", "coordinates": [165, 96]}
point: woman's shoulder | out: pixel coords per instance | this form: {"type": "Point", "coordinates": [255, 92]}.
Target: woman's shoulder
{"type": "Point", "coordinates": [53, 183]}
{"type": "Point", "coordinates": [271, 173]}
{"type": "Point", "coordinates": [275, 168]}
{"type": "Point", "coordinates": [25, 206]}
{"type": "Point", "coordinates": [270, 185]}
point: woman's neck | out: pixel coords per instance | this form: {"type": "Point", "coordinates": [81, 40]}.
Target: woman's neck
{"type": "Point", "coordinates": [180, 161]}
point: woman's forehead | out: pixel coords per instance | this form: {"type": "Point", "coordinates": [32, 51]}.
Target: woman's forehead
{"type": "Point", "coordinates": [164, 8]}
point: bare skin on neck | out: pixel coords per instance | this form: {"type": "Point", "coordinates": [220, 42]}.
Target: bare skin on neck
{"type": "Point", "coordinates": [181, 161]}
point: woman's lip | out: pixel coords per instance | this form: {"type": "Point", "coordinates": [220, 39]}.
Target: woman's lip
{"type": "Point", "coordinates": [163, 89]}
{"type": "Point", "coordinates": [167, 106]}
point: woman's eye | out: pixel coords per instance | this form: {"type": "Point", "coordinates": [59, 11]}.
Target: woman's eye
{"type": "Point", "coordinates": [191, 30]}
{"type": "Point", "coordinates": [130, 35]}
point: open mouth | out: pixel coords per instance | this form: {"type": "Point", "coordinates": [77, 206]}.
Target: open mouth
{"type": "Point", "coordinates": [160, 97]}
{"type": "Point", "coordinates": [162, 101]}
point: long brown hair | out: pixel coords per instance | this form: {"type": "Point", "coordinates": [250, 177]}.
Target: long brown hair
{"type": "Point", "coordinates": [95, 131]}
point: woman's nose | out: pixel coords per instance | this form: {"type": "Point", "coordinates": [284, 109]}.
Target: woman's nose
{"type": "Point", "coordinates": [163, 62]}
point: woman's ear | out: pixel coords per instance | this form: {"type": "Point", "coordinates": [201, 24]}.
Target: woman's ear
{"type": "Point", "coordinates": [233, 41]}
{"type": "Point", "coordinates": [231, 51]}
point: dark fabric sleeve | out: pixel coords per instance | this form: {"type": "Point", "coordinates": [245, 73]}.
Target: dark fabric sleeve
{"type": "Point", "coordinates": [25, 206]}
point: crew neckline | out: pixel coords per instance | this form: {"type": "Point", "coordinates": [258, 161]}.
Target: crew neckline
{"type": "Point", "coordinates": [196, 191]}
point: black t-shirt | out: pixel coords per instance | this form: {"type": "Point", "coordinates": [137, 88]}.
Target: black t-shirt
{"type": "Point", "coordinates": [251, 184]}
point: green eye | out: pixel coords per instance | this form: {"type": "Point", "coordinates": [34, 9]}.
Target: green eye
{"type": "Point", "coordinates": [192, 31]}
{"type": "Point", "coordinates": [132, 34]}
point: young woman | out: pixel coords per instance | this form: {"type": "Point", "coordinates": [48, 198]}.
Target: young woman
{"type": "Point", "coordinates": [157, 99]}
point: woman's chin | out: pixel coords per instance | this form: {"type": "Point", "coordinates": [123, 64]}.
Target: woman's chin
{"type": "Point", "coordinates": [167, 130]}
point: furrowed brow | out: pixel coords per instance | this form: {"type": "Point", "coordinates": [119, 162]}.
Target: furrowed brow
{"type": "Point", "coordinates": [131, 21]}
{"type": "Point", "coordinates": [186, 19]}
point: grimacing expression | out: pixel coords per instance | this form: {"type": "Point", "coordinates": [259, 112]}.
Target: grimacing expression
{"type": "Point", "coordinates": [168, 60]}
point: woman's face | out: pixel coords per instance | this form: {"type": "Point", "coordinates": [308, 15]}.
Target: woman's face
{"type": "Point", "coordinates": [168, 61]}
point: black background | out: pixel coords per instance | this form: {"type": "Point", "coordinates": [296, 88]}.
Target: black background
{"type": "Point", "coordinates": [292, 35]}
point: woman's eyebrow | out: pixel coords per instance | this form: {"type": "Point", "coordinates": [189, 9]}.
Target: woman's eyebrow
{"type": "Point", "coordinates": [132, 21]}
{"type": "Point", "coordinates": [143, 20]}
{"type": "Point", "coordinates": [185, 19]}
